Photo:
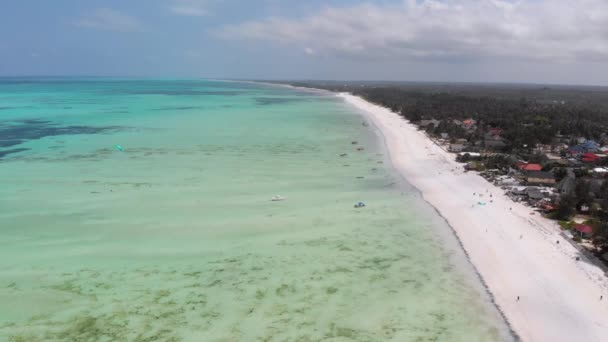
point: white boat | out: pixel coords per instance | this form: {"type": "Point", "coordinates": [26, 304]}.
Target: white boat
{"type": "Point", "coordinates": [277, 198]}
{"type": "Point", "coordinates": [359, 205]}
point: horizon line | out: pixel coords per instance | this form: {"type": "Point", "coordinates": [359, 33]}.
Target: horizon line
{"type": "Point", "coordinates": [447, 82]}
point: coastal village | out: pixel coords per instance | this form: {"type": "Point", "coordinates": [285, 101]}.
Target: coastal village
{"type": "Point", "coordinates": [566, 180]}
{"type": "Point", "coordinates": [546, 148]}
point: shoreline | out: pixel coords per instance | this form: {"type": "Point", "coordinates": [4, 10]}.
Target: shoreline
{"type": "Point", "coordinates": [516, 254]}
{"type": "Point", "coordinates": [452, 232]}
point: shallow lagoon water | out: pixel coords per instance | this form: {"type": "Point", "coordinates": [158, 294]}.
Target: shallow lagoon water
{"type": "Point", "coordinates": [175, 237]}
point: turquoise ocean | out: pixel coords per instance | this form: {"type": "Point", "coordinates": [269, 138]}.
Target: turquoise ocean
{"type": "Point", "coordinates": [140, 210]}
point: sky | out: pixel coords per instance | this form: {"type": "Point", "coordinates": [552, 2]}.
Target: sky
{"type": "Point", "coordinates": [514, 41]}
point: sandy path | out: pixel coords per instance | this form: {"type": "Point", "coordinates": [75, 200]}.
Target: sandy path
{"type": "Point", "coordinates": [516, 253]}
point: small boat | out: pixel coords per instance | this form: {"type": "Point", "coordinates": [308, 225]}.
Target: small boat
{"type": "Point", "coordinates": [277, 198]}
{"type": "Point", "coordinates": [359, 205]}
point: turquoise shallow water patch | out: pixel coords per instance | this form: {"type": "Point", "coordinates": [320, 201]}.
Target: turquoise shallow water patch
{"type": "Point", "coordinates": [174, 235]}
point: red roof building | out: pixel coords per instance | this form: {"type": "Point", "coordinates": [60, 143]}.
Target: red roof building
{"type": "Point", "coordinates": [590, 157]}
{"type": "Point", "coordinates": [583, 228]}
{"type": "Point", "coordinates": [548, 207]}
{"type": "Point", "coordinates": [529, 167]}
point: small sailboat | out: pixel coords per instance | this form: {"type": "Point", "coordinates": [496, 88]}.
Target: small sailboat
{"type": "Point", "coordinates": [277, 198]}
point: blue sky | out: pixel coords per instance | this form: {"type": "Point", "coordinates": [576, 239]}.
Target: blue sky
{"type": "Point", "coordinates": [554, 41]}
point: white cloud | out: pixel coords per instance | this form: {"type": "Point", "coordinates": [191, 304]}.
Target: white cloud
{"type": "Point", "coordinates": [110, 20]}
{"type": "Point", "coordinates": [194, 8]}
{"type": "Point", "coordinates": [556, 30]}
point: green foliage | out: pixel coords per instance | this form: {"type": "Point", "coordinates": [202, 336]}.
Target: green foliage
{"type": "Point", "coordinates": [524, 121]}
{"type": "Point", "coordinates": [565, 208]}
{"type": "Point", "coordinates": [497, 162]}
{"type": "Point", "coordinates": [464, 158]}
{"type": "Point", "coordinates": [603, 193]}
{"type": "Point", "coordinates": [582, 191]}
{"type": "Point", "coordinates": [600, 234]}
{"type": "Point", "coordinates": [536, 158]}
{"type": "Point", "coordinates": [560, 173]}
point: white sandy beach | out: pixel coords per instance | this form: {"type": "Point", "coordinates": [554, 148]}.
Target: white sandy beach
{"type": "Point", "coordinates": [515, 253]}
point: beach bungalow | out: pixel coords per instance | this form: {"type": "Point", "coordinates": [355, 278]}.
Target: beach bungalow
{"type": "Point", "coordinates": [576, 150]}
{"type": "Point", "coordinates": [519, 190]}
{"type": "Point", "coordinates": [600, 170]}
{"type": "Point", "coordinates": [540, 178]}
{"type": "Point", "coordinates": [535, 194]}
{"type": "Point", "coordinates": [528, 167]}
{"type": "Point", "coordinates": [456, 148]}
{"type": "Point", "coordinates": [591, 145]}
{"type": "Point", "coordinates": [471, 154]}
{"type": "Point", "coordinates": [552, 157]}
{"type": "Point", "coordinates": [506, 181]}
{"type": "Point", "coordinates": [494, 141]}
{"type": "Point", "coordinates": [584, 230]}
{"type": "Point", "coordinates": [587, 146]}
{"type": "Point", "coordinates": [590, 157]}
